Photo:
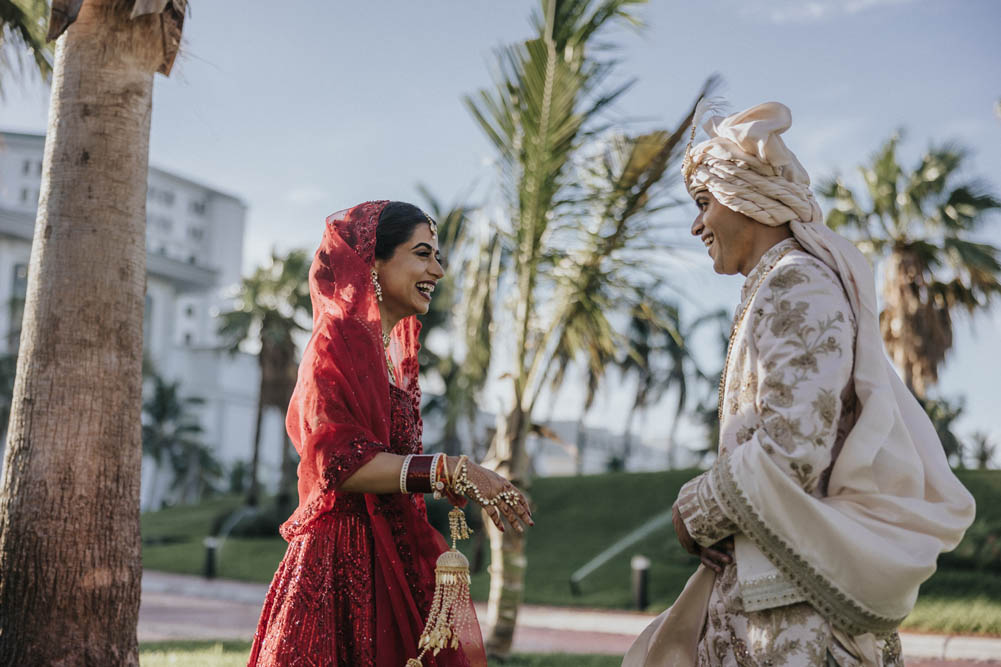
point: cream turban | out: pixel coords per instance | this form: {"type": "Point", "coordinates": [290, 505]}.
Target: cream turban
{"type": "Point", "coordinates": [748, 168]}
{"type": "Point", "coordinates": [893, 503]}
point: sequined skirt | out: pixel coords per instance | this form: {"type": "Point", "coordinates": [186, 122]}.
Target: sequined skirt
{"type": "Point", "coordinates": [320, 608]}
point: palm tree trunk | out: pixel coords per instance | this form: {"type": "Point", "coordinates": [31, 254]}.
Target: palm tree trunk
{"type": "Point", "coordinates": [627, 437]}
{"type": "Point", "coordinates": [507, 549]}
{"type": "Point", "coordinates": [253, 491]}
{"type": "Point", "coordinates": [672, 442]}
{"type": "Point", "coordinates": [69, 510]}
{"type": "Point", "coordinates": [507, 583]}
{"type": "Point", "coordinates": [288, 483]}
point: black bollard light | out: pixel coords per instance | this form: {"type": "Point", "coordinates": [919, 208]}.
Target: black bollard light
{"type": "Point", "coordinates": [640, 566]}
{"type": "Point", "coordinates": [211, 546]}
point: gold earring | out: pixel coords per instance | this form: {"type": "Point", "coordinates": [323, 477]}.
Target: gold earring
{"type": "Point", "coordinates": [375, 283]}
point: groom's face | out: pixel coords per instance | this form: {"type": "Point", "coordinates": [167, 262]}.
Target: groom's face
{"type": "Point", "coordinates": [727, 235]}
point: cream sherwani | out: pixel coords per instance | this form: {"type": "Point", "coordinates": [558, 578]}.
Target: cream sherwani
{"type": "Point", "coordinates": [789, 388]}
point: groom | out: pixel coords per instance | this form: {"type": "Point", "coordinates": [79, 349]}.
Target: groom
{"type": "Point", "coordinates": [831, 498]}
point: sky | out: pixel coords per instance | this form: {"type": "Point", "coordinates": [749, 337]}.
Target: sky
{"type": "Point", "coordinates": [326, 104]}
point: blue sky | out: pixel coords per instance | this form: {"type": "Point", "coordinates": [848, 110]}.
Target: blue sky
{"type": "Point", "coordinates": [326, 104]}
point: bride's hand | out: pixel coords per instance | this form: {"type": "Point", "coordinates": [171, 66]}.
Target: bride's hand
{"type": "Point", "coordinates": [491, 485]}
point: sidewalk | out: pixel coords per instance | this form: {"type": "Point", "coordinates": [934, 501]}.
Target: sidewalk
{"type": "Point", "coordinates": [178, 606]}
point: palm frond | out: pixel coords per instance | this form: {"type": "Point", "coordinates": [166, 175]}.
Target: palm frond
{"type": "Point", "coordinates": [22, 32]}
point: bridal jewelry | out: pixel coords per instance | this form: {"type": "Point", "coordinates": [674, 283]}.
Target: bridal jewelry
{"type": "Point", "coordinates": [450, 606]}
{"type": "Point", "coordinates": [403, 473]}
{"type": "Point", "coordinates": [432, 224]}
{"type": "Point", "coordinates": [390, 368]}
{"type": "Point", "coordinates": [462, 486]}
{"type": "Point", "coordinates": [378, 287]}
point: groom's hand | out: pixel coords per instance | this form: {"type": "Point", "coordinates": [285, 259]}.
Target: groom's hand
{"type": "Point", "coordinates": [715, 557]}
{"type": "Point", "coordinates": [718, 555]}
{"type": "Point", "coordinates": [681, 530]}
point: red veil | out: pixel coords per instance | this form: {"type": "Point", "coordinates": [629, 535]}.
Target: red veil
{"type": "Point", "coordinates": [339, 419]}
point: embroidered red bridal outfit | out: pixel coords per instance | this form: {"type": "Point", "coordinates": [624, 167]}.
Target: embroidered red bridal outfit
{"type": "Point", "coordinates": [356, 583]}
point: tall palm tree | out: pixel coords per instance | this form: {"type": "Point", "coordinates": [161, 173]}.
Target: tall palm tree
{"type": "Point", "coordinates": [943, 413]}
{"type": "Point", "coordinates": [659, 355]}
{"type": "Point", "coordinates": [572, 229]}
{"type": "Point", "coordinates": [69, 509]}
{"type": "Point", "coordinates": [982, 450]}
{"type": "Point", "coordinates": [270, 310]}
{"type": "Point", "coordinates": [22, 24]}
{"type": "Point", "coordinates": [457, 371]}
{"type": "Point", "coordinates": [919, 224]}
{"type": "Point", "coordinates": [172, 438]}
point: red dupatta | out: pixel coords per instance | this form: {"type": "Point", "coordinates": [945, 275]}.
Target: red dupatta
{"type": "Point", "coordinates": [339, 418]}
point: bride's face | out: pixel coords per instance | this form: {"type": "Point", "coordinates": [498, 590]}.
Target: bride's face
{"type": "Point", "coordinates": [408, 278]}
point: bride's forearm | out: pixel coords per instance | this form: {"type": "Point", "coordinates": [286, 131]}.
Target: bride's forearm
{"type": "Point", "coordinates": [380, 475]}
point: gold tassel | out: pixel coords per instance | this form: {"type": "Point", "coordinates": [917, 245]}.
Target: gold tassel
{"type": "Point", "coordinates": [451, 595]}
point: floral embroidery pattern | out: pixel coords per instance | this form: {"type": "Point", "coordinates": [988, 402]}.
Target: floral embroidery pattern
{"type": "Point", "coordinates": [789, 393]}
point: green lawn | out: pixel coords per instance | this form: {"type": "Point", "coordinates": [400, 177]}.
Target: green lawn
{"type": "Point", "coordinates": [234, 654]}
{"type": "Point", "coordinates": [577, 517]}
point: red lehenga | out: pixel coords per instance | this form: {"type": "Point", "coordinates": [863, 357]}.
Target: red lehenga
{"type": "Point", "coordinates": [356, 583]}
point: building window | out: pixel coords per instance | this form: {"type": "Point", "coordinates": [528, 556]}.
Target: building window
{"type": "Point", "coordinates": [161, 223]}
{"type": "Point", "coordinates": [192, 259]}
{"type": "Point", "coordinates": [38, 168]}
{"type": "Point", "coordinates": [187, 338]}
{"type": "Point", "coordinates": [24, 195]}
{"type": "Point", "coordinates": [196, 233]}
{"type": "Point", "coordinates": [18, 292]}
{"type": "Point", "coordinates": [189, 311]}
{"type": "Point", "coordinates": [197, 207]}
{"type": "Point", "coordinates": [156, 195]}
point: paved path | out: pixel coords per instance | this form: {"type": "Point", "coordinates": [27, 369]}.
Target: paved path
{"type": "Point", "coordinates": [184, 607]}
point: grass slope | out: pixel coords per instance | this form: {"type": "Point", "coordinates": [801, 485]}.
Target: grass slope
{"type": "Point", "coordinates": [578, 517]}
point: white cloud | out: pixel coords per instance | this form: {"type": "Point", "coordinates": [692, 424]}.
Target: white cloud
{"type": "Point", "coordinates": [790, 11]}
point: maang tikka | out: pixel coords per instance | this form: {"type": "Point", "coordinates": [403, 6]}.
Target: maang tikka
{"type": "Point", "coordinates": [376, 285]}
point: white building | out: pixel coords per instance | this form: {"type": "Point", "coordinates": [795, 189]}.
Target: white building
{"type": "Point", "coordinates": [194, 244]}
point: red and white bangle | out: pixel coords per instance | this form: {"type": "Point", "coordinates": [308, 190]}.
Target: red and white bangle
{"type": "Point", "coordinates": [418, 477]}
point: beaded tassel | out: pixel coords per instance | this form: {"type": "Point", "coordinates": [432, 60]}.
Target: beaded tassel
{"type": "Point", "coordinates": [451, 595]}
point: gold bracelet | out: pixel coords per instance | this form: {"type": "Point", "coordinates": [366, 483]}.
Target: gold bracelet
{"type": "Point", "coordinates": [437, 486]}
{"type": "Point", "coordinates": [462, 485]}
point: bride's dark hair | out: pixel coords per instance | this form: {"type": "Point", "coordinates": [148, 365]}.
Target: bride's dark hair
{"type": "Point", "coordinates": [397, 223]}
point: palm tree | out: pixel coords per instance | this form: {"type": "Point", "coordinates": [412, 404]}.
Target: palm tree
{"type": "Point", "coordinates": [456, 371]}
{"type": "Point", "coordinates": [919, 223]}
{"type": "Point", "coordinates": [172, 437]}
{"type": "Point", "coordinates": [271, 309]}
{"type": "Point", "coordinates": [983, 450]}
{"type": "Point", "coordinates": [659, 356]}
{"type": "Point", "coordinates": [943, 414]}
{"type": "Point", "coordinates": [579, 201]}
{"type": "Point", "coordinates": [22, 24]}
{"type": "Point", "coordinates": [69, 509]}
